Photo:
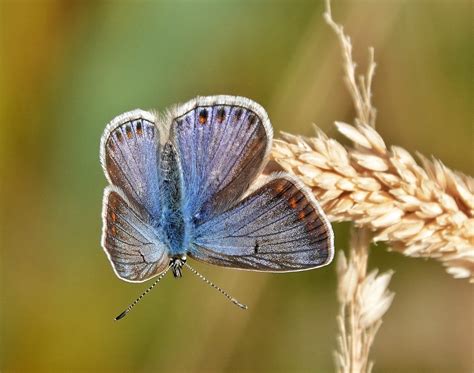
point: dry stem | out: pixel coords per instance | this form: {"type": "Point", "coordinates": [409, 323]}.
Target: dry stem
{"type": "Point", "coordinates": [363, 299]}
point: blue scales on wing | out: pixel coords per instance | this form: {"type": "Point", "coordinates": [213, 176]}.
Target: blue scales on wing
{"type": "Point", "coordinates": [130, 156]}
{"type": "Point", "coordinates": [279, 227]}
{"type": "Point", "coordinates": [222, 143]}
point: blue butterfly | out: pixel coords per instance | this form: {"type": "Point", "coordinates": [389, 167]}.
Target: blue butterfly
{"type": "Point", "coordinates": [183, 184]}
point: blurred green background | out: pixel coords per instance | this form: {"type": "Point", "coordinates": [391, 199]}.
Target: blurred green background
{"type": "Point", "coordinates": [68, 67]}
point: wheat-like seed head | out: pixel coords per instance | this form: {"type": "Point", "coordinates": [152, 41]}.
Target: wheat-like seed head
{"type": "Point", "coordinates": [422, 210]}
{"type": "Point", "coordinates": [324, 163]}
{"type": "Point", "coordinates": [363, 299]}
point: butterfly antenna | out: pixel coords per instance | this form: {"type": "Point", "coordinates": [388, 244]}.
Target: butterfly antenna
{"type": "Point", "coordinates": [223, 292]}
{"type": "Point", "coordinates": [124, 313]}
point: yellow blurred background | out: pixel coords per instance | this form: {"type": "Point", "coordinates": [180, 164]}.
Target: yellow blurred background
{"type": "Point", "coordinates": [68, 67]}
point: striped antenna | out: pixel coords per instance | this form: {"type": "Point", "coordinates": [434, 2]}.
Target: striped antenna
{"type": "Point", "coordinates": [223, 292]}
{"type": "Point", "coordinates": [124, 313]}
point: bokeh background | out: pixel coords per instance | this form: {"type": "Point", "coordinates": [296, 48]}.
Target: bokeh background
{"type": "Point", "coordinates": [68, 67]}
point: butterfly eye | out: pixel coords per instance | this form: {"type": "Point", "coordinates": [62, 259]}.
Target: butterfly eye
{"type": "Point", "coordinates": [203, 116]}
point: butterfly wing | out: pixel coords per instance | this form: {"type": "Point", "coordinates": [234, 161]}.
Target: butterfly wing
{"type": "Point", "coordinates": [279, 227]}
{"type": "Point", "coordinates": [223, 143]}
{"type": "Point", "coordinates": [131, 243]}
{"type": "Point", "coordinates": [130, 156]}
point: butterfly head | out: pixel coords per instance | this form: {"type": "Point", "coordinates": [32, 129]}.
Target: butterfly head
{"type": "Point", "coordinates": [176, 264]}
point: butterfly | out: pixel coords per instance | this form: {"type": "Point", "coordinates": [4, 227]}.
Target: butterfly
{"type": "Point", "coordinates": [183, 184]}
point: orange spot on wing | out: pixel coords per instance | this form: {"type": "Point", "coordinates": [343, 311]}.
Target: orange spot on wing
{"type": "Point", "coordinates": [113, 216]}
{"type": "Point", "coordinates": [301, 215]}
{"type": "Point", "coordinates": [203, 116]}
{"type": "Point", "coordinates": [280, 186]}
{"type": "Point", "coordinates": [292, 202]}
{"type": "Point", "coordinates": [128, 130]}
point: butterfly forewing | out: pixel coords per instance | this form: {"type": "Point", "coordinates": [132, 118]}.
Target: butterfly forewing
{"type": "Point", "coordinates": [130, 155]}
{"type": "Point", "coordinates": [279, 227]}
{"type": "Point", "coordinates": [222, 143]}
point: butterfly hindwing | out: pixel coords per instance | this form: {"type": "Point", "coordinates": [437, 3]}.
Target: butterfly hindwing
{"type": "Point", "coordinates": [222, 143]}
{"type": "Point", "coordinates": [278, 227]}
{"type": "Point", "coordinates": [131, 243]}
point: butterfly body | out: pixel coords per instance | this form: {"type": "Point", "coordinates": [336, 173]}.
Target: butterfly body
{"type": "Point", "coordinates": [175, 228]}
{"type": "Point", "coordinates": [184, 184]}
